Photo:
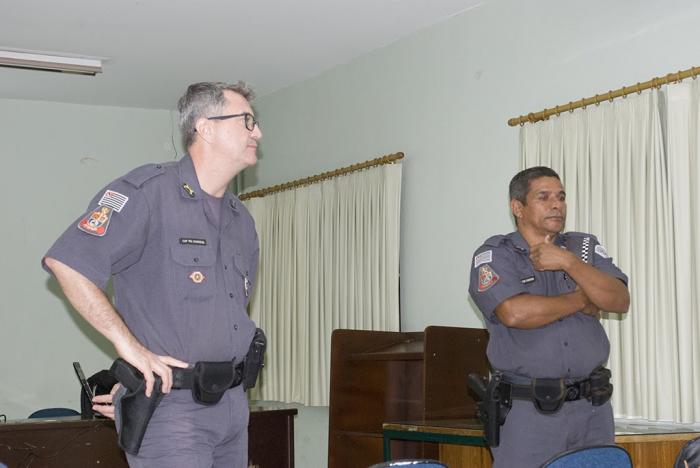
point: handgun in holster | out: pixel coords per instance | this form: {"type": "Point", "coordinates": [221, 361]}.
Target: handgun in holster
{"type": "Point", "coordinates": [136, 409]}
{"type": "Point", "coordinates": [492, 408]}
{"type": "Point", "coordinates": [254, 359]}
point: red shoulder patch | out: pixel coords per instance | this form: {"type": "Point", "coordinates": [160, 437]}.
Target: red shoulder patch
{"type": "Point", "coordinates": [487, 278]}
{"type": "Point", "coordinates": [97, 222]}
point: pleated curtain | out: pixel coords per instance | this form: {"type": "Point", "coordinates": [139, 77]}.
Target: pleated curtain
{"type": "Point", "coordinates": [630, 173]}
{"type": "Point", "coordinates": [683, 106]}
{"type": "Point", "coordinates": [329, 258]}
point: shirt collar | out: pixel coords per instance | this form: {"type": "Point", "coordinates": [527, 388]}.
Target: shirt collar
{"type": "Point", "coordinates": [519, 241]}
{"type": "Point", "coordinates": [190, 188]}
{"type": "Point", "coordinates": [521, 244]}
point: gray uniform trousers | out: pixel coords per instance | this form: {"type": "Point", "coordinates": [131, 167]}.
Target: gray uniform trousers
{"type": "Point", "coordinates": [530, 438]}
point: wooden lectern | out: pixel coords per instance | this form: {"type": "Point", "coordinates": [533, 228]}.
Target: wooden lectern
{"type": "Point", "coordinates": [379, 377]}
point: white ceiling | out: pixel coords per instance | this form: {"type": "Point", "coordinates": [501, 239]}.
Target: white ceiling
{"type": "Point", "coordinates": [154, 48]}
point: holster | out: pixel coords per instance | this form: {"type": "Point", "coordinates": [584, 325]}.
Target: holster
{"type": "Point", "coordinates": [493, 406]}
{"type": "Point", "coordinates": [135, 407]}
{"type": "Point", "coordinates": [254, 359]}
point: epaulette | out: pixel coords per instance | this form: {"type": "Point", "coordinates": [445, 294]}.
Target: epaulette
{"type": "Point", "coordinates": [579, 234]}
{"type": "Point", "coordinates": [495, 241]}
{"type": "Point", "coordinates": [143, 174]}
{"type": "Point", "coordinates": [580, 244]}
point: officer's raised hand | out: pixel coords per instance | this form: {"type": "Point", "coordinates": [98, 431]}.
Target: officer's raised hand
{"type": "Point", "coordinates": [549, 256]}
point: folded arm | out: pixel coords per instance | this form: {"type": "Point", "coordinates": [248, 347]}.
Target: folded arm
{"type": "Point", "coordinates": [602, 289]}
{"type": "Point", "coordinates": [532, 311]}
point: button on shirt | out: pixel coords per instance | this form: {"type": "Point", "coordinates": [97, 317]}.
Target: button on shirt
{"type": "Point", "coordinates": [182, 278]}
{"type": "Point", "coordinates": [571, 347]}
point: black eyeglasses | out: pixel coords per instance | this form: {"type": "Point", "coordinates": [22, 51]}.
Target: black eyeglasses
{"type": "Point", "coordinates": [248, 119]}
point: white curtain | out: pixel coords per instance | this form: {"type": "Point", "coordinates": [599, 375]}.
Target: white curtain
{"type": "Point", "coordinates": [683, 105]}
{"type": "Point", "coordinates": [329, 258]}
{"type": "Point", "coordinates": [613, 165]}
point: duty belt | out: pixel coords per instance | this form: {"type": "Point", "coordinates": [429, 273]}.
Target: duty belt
{"type": "Point", "coordinates": [185, 378]}
{"type": "Point", "coordinates": [208, 382]}
{"type": "Point", "coordinates": [549, 394]}
{"type": "Point", "coordinates": [573, 391]}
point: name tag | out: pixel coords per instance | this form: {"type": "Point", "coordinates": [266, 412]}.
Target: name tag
{"type": "Point", "coordinates": [529, 279]}
{"type": "Point", "coordinates": [189, 241]}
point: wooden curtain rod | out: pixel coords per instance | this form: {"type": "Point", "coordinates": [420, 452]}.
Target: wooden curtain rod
{"type": "Point", "coordinates": [609, 96]}
{"type": "Point", "coordinates": [388, 159]}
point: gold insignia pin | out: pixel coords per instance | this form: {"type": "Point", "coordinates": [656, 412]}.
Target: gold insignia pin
{"type": "Point", "coordinates": [197, 277]}
{"type": "Point", "coordinates": [188, 189]}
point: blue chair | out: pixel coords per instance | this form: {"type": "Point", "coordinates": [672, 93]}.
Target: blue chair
{"type": "Point", "coordinates": [410, 464]}
{"type": "Point", "coordinates": [689, 455]}
{"type": "Point", "coordinates": [601, 456]}
{"type": "Point", "coordinates": [53, 413]}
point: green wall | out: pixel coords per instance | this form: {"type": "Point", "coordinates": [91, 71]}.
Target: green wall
{"type": "Point", "coordinates": [55, 157]}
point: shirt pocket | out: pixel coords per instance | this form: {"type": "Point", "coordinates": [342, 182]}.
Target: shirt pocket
{"type": "Point", "coordinates": [193, 271]}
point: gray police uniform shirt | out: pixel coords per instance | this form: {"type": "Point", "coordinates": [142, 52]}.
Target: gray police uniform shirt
{"type": "Point", "coordinates": [181, 279]}
{"type": "Point", "coordinates": [570, 347]}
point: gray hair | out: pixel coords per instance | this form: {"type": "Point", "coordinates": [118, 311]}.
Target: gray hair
{"type": "Point", "coordinates": [204, 99]}
{"type": "Point", "coordinates": [520, 184]}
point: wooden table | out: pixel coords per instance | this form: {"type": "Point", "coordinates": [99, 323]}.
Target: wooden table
{"type": "Point", "coordinates": [650, 445]}
{"type": "Point", "coordinates": [72, 442]}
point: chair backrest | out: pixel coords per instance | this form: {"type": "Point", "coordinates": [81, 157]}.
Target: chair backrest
{"type": "Point", "coordinates": [410, 464]}
{"type": "Point", "coordinates": [608, 456]}
{"type": "Point", "coordinates": [689, 455]}
{"type": "Point", "coordinates": [53, 413]}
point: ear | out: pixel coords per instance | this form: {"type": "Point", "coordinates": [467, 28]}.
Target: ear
{"type": "Point", "coordinates": [516, 207]}
{"type": "Point", "coordinates": [204, 128]}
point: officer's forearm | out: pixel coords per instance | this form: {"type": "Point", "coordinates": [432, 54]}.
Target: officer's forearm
{"type": "Point", "coordinates": [603, 290]}
{"type": "Point", "coordinates": [90, 302]}
{"type": "Point", "coordinates": [531, 311]}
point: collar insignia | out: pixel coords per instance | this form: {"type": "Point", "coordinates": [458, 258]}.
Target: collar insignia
{"type": "Point", "coordinates": [188, 189]}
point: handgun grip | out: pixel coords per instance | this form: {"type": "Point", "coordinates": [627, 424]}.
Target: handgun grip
{"type": "Point", "coordinates": [476, 383]}
{"type": "Point", "coordinates": [126, 374]}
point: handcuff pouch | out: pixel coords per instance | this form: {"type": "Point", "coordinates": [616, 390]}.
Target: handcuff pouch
{"type": "Point", "coordinates": [548, 394]}
{"type": "Point", "coordinates": [211, 380]}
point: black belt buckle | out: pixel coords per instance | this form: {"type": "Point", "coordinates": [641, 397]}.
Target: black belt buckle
{"type": "Point", "coordinates": [578, 390]}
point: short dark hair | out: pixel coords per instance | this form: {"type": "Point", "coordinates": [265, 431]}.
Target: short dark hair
{"type": "Point", "coordinates": [520, 184]}
{"type": "Point", "coordinates": [203, 99]}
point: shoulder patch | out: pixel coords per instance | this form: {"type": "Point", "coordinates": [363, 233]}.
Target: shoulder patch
{"type": "Point", "coordinates": [97, 221]}
{"type": "Point", "coordinates": [600, 250]}
{"type": "Point", "coordinates": [143, 174]}
{"type": "Point", "coordinates": [487, 278]}
{"type": "Point", "coordinates": [114, 200]}
{"type": "Point", "coordinates": [483, 257]}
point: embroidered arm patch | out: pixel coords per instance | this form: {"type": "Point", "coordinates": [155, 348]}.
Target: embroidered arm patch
{"type": "Point", "coordinates": [97, 222]}
{"type": "Point", "coordinates": [483, 257]}
{"type": "Point", "coordinates": [487, 278]}
{"type": "Point", "coordinates": [600, 250]}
